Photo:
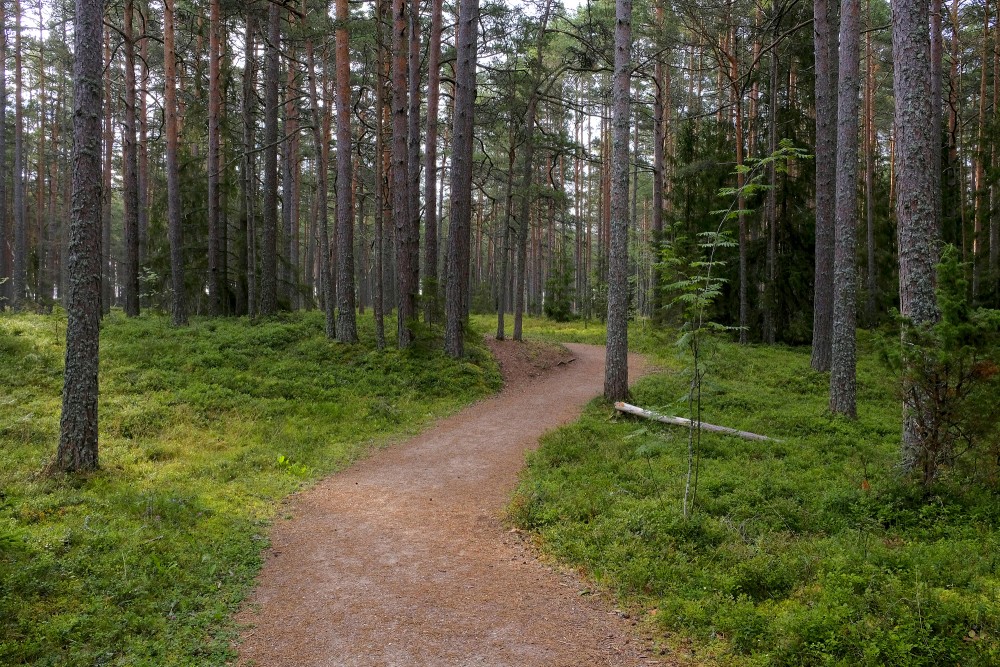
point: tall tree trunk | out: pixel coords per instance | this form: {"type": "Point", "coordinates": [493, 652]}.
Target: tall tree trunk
{"type": "Point", "coordinates": [288, 270]}
{"type": "Point", "coordinates": [431, 284]}
{"type": "Point", "coordinates": [130, 173]}
{"type": "Point", "coordinates": [871, 273]}
{"type": "Point", "coordinates": [771, 289]}
{"type": "Point", "coordinates": [347, 329]}
{"type": "Point", "coordinates": [660, 102]}
{"type": "Point", "coordinates": [843, 369]}
{"type": "Point", "coordinates": [825, 37]}
{"type": "Point", "coordinates": [995, 186]}
{"type": "Point", "coordinates": [143, 137]}
{"type": "Point", "coordinates": [406, 293]}
{"type": "Point", "coordinates": [982, 157]}
{"type": "Point", "coordinates": [322, 173]}
{"type": "Point", "coordinates": [616, 364]}
{"type": "Point", "coordinates": [174, 227]}
{"type": "Point", "coordinates": [269, 246]}
{"type": "Point", "coordinates": [413, 150]}
{"type": "Point", "coordinates": [528, 167]}
{"type": "Point", "coordinates": [20, 277]}
{"type": "Point", "coordinates": [248, 245]}
{"type": "Point", "coordinates": [382, 66]}
{"type": "Point", "coordinates": [917, 229]}
{"type": "Point", "coordinates": [215, 248]}
{"type": "Point", "coordinates": [4, 257]}
{"type": "Point", "coordinates": [109, 144]}
{"type": "Point", "coordinates": [460, 223]}
{"type": "Point", "coordinates": [77, 448]}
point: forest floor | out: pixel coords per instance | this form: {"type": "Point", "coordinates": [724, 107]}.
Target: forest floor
{"type": "Point", "coordinates": [404, 559]}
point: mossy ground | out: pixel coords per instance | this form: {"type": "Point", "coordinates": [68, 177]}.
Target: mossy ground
{"type": "Point", "coordinates": [808, 551]}
{"type": "Point", "coordinates": [204, 430]}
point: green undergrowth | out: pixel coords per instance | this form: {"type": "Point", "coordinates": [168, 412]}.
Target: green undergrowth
{"type": "Point", "coordinates": [808, 551]}
{"type": "Point", "coordinates": [204, 430]}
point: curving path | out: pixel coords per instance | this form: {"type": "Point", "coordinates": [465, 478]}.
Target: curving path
{"type": "Point", "coordinates": [402, 560]}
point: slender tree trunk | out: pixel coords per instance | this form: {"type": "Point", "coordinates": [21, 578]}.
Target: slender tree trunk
{"type": "Point", "coordinates": [77, 449]}
{"type": "Point", "coordinates": [4, 257]}
{"type": "Point", "coordinates": [130, 173]}
{"type": "Point", "coordinates": [431, 284]}
{"type": "Point", "coordinates": [660, 101]}
{"type": "Point", "coordinates": [616, 365]}
{"type": "Point", "coordinates": [995, 186]}
{"type": "Point", "coordinates": [109, 143]}
{"type": "Point", "coordinates": [870, 146]}
{"type": "Point", "coordinates": [917, 228]}
{"type": "Point", "coordinates": [381, 82]}
{"type": "Point", "coordinates": [528, 167]}
{"type": "Point", "coordinates": [214, 165]}
{"type": "Point", "coordinates": [20, 278]}
{"type": "Point", "coordinates": [843, 370]}
{"type": "Point", "coordinates": [460, 223]}
{"type": "Point", "coordinates": [826, 179]}
{"type": "Point", "coordinates": [347, 329]}
{"type": "Point", "coordinates": [770, 291]}
{"type": "Point", "coordinates": [982, 157]}
{"type": "Point", "coordinates": [413, 151]}
{"type": "Point", "coordinates": [143, 138]}
{"type": "Point", "coordinates": [269, 246]}
{"type": "Point", "coordinates": [248, 247]}
{"type": "Point", "coordinates": [406, 296]}
{"type": "Point", "coordinates": [174, 228]}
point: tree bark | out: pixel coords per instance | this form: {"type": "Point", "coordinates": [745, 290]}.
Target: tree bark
{"type": "Point", "coordinates": [347, 329]}
{"type": "Point", "coordinates": [20, 278]}
{"type": "Point", "coordinates": [77, 450]}
{"type": "Point", "coordinates": [269, 244]}
{"type": "Point", "coordinates": [130, 173]}
{"type": "Point", "coordinates": [431, 283]}
{"type": "Point", "coordinates": [825, 38]}
{"type": "Point", "coordinates": [406, 293]}
{"type": "Point", "coordinates": [5, 292]}
{"type": "Point", "coordinates": [917, 228]}
{"type": "Point", "coordinates": [413, 151]}
{"type": "Point", "coordinates": [460, 223]}
{"type": "Point", "coordinates": [843, 369]}
{"type": "Point", "coordinates": [246, 292]}
{"type": "Point", "coordinates": [109, 144]}
{"type": "Point", "coordinates": [214, 165]}
{"type": "Point", "coordinates": [174, 228]}
{"type": "Point", "coordinates": [616, 365]}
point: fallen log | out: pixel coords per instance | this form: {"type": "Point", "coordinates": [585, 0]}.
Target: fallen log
{"type": "Point", "coordinates": [680, 421]}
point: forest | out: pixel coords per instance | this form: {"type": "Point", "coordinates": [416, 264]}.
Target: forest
{"type": "Point", "coordinates": [244, 244]}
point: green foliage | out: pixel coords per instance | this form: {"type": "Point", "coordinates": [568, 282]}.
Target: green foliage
{"type": "Point", "coordinates": [808, 551]}
{"type": "Point", "coordinates": [203, 430]}
{"type": "Point", "coordinates": [951, 378]}
{"type": "Point", "coordinates": [559, 291]}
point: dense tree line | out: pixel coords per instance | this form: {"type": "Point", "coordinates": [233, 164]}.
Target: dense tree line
{"type": "Point", "coordinates": [434, 159]}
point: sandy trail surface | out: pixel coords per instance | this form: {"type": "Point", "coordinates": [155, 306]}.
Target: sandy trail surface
{"type": "Point", "coordinates": [403, 559]}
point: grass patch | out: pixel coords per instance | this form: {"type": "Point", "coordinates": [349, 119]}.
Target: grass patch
{"type": "Point", "coordinates": [203, 430]}
{"type": "Point", "coordinates": [805, 552]}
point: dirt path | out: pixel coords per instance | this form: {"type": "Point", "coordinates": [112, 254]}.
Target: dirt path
{"type": "Point", "coordinates": [402, 560]}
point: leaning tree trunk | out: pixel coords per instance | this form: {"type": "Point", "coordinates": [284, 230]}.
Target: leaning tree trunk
{"type": "Point", "coordinates": [616, 366]}
{"type": "Point", "coordinates": [825, 38]}
{"type": "Point", "coordinates": [915, 206]}
{"type": "Point", "coordinates": [269, 244]}
{"type": "Point", "coordinates": [174, 230]}
{"type": "Point", "coordinates": [347, 328]}
{"type": "Point", "coordinates": [843, 361]}
{"type": "Point", "coordinates": [78, 425]}
{"type": "Point", "coordinates": [460, 225]}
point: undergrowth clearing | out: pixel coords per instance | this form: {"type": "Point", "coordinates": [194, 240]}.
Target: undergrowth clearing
{"type": "Point", "coordinates": [204, 430]}
{"type": "Point", "coordinates": [808, 551]}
